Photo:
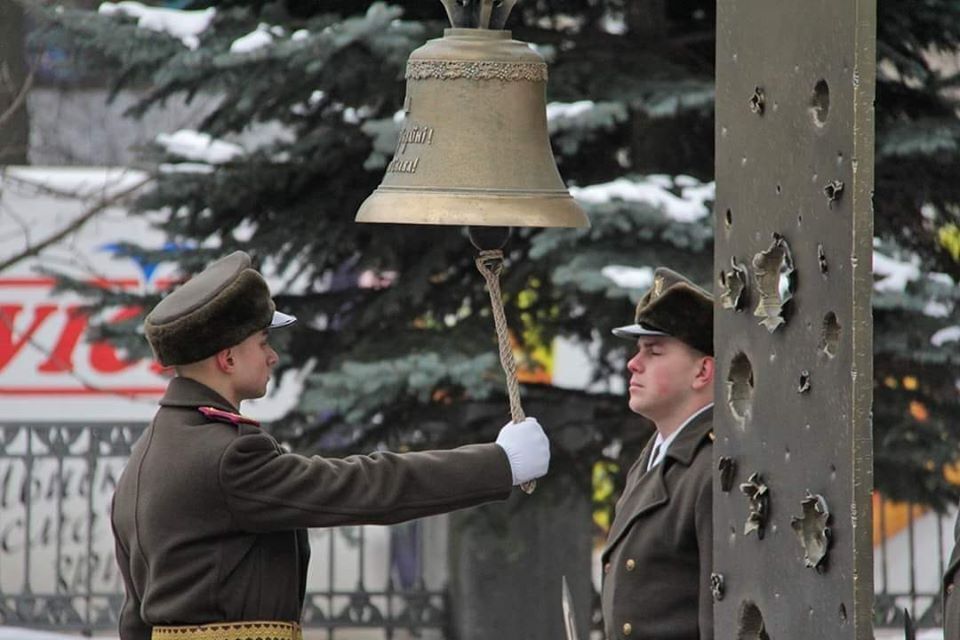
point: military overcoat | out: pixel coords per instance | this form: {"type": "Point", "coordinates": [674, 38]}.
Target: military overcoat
{"type": "Point", "coordinates": [659, 554]}
{"type": "Point", "coordinates": [209, 515]}
{"type": "Point", "coordinates": [951, 582]}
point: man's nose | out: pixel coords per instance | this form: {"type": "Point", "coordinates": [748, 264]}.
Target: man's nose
{"type": "Point", "coordinates": [635, 363]}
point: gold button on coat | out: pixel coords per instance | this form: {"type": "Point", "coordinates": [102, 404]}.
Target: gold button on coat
{"type": "Point", "coordinates": [627, 628]}
{"type": "Point", "coordinates": [631, 564]}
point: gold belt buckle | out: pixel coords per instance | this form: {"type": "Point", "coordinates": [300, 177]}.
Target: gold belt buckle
{"type": "Point", "coordinates": [246, 630]}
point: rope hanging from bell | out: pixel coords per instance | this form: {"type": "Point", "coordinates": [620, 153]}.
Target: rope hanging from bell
{"type": "Point", "coordinates": [490, 264]}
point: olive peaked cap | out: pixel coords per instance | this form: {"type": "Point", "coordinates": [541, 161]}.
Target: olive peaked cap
{"type": "Point", "coordinates": [218, 308]}
{"type": "Point", "coordinates": [675, 307]}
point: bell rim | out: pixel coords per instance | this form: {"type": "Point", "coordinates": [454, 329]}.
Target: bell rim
{"type": "Point", "coordinates": [472, 207]}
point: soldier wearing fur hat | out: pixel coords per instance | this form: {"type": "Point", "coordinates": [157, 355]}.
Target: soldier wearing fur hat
{"type": "Point", "coordinates": [658, 557]}
{"type": "Point", "coordinates": [209, 515]}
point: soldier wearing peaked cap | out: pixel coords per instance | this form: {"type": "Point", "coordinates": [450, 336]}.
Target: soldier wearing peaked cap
{"type": "Point", "coordinates": [659, 553]}
{"type": "Point", "coordinates": [209, 515]}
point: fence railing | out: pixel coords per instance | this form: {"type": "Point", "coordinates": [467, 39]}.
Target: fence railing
{"type": "Point", "coordinates": [913, 549]}
{"type": "Point", "coordinates": [57, 567]}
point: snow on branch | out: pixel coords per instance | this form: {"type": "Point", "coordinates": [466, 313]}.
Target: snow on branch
{"type": "Point", "coordinates": [681, 198]}
{"type": "Point", "coordinates": [892, 275]}
{"type": "Point", "coordinates": [186, 26]}
{"type": "Point", "coordinates": [260, 37]}
{"type": "Point", "coordinates": [629, 277]}
{"type": "Point", "coordinates": [943, 336]}
{"type": "Point", "coordinates": [199, 147]}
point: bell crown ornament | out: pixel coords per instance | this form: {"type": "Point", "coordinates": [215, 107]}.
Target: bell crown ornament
{"type": "Point", "coordinates": [474, 148]}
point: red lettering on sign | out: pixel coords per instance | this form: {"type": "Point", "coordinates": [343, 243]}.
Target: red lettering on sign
{"type": "Point", "coordinates": [10, 345]}
{"type": "Point", "coordinates": [103, 357]}
{"type": "Point", "coordinates": [61, 358]}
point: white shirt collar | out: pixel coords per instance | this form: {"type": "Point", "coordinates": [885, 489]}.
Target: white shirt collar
{"type": "Point", "coordinates": [664, 443]}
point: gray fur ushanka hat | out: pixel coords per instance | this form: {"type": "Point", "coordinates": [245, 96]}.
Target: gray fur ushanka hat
{"type": "Point", "coordinates": [674, 307]}
{"type": "Point", "coordinates": [218, 308]}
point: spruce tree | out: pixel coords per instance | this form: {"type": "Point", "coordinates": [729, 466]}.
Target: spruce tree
{"type": "Point", "coordinates": [411, 361]}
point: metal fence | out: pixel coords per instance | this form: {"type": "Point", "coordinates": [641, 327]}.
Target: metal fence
{"type": "Point", "coordinates": [57, 567]}
{"type": "Point", "coordinates": [909, 563]}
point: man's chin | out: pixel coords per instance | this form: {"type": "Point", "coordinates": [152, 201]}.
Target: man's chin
{"type": "Point", "coordinates": [636, 405]}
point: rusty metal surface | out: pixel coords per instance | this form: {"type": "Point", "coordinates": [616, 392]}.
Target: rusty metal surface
{"type": "Point", "coordinates": [794, 168]}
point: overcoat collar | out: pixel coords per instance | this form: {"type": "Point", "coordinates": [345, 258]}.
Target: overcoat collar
{"type": "Point", "coordinates": [186, 392]}
{"type": "Point", "coordinates": [649, 489]}
{"type": "Point", "coordinates": [688, 441]}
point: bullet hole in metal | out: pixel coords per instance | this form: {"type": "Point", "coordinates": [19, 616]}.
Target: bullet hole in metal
{"type": "Point", "coordinates": [776, 282]}
{"type": "Point", "coordinates": [804, 385]}
{"type": "Point", "coordinates": [786, 454]}
{"type": "Point", "coordinates": [728, 218]}
{"type": "Point", "coordinates": [751, 625]}
{"type": "Point", "coordinates": [833, 190]}
{"type": "Point", "coordinates": [779, 189]}
{"type": "Point", "coordinates": [843, 613]}
{"type": "Point", "coordinates": [822, 259]}
{"type": "Point", "coordinates": [758, 101]}
{"type": "Point", "coordinates": [812, 531]}
{"type": "Point", "coordinates": [833, 473]}
{"type": "Point", "coordinates": [743, 161]}
{"type": "Point", "coordinates": [759, 496]}
{"type": "Point", "coordinates": [799, 218]}
{"type": "Point", "coordinates": [716, 586]}
{"type": "Point", "coordinates": [820, 103]}
{"type": "Point", "coordinates": [740, 386]}
{"type": "Point", "coordinates": [830, 335]}
{"type": "Point", "coordinates": [839, 158]}
{"type": "Point", "coordinates": [733, 286]}
{"type": "Point", "coordinates": [728, 470]}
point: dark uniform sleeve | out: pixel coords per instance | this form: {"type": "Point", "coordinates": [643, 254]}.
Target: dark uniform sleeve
{"type": "Point", "coordinates": [132, 626]}
{"type": "Point", "coordinates": [268, 490]}
{"type": "Point", "coordinates": [951, 599]}
{"type": "Point", "coordinates": [704, 524]}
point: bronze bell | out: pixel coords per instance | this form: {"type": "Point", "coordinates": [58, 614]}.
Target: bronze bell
{"type": "Point", "coordinates": [474, 148]}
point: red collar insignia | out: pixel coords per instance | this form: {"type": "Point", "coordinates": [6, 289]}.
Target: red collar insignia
{"type": "Point", "coordinates": [219, 415]}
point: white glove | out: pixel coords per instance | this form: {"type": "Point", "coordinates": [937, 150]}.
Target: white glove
{"type": "Point", "coordinates": [527, 448]}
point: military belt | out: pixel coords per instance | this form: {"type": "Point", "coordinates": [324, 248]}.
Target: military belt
{"type": "Point", "coordinates": [247, 630]}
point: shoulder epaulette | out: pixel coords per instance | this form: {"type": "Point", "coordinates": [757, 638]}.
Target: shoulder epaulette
{"type": "Point", "coordinates": [219, 415]}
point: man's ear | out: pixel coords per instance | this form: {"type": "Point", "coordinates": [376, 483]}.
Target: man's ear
{"type": "Point", "coordinates": [704, 374]}
{"type": "Point", "coordinates": [225, 360]}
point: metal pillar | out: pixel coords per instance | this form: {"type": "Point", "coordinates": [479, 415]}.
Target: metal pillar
{"type": "Point", "coordinates": [794, 169]}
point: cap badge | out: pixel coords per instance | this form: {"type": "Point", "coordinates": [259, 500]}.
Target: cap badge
{"type": "Point", "coordinates": [657, 286]}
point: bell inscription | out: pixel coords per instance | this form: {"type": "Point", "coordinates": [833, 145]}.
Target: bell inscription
{"type": "Point", "coordinates": [414, 135]}
{"type": "Point", "coordinates": [403, 166]}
